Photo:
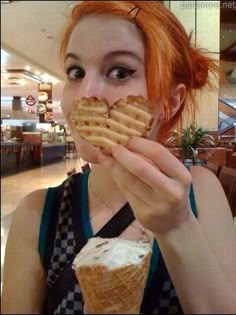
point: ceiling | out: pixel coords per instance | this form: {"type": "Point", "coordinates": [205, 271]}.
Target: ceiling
{"type": "Point", "coordinates": [29, 35]}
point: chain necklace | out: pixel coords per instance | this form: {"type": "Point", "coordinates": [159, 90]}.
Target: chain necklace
{"type": "Point", "coordinates": [143, 237]}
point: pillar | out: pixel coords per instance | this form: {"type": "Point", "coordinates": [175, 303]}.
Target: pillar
{"type": "Point", "coordinates": [203, 18]}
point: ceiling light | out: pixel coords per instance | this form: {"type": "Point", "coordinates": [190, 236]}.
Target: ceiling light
{"type": "Point", "coordinates": [22, 82]}
{"type": "Point", "coordinates": [26, 74]}
{"type": "Point", "coordinates": [45, 77]}
{"type": "Point", "coordinates": [37, 72]}
{"type": "Point", "coordinates": [4, 56]}
{"type": "Point", "coordinates": [4, 53]}
{"type": "Point", "coordinates": [5, 76]}
{"type": "Point", "coordinates": [55, 81]}
{"type": "Point", "coordinates": [5, 2]}
{"type": "Point", "coordinates": [32, 77]}
{"type": "Point", "coordinates": [6, 98]}
{"type": "Point", "coordinates": [27, 68]}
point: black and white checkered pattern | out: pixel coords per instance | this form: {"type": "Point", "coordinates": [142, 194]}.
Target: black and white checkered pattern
{"type": "Point", "coordinates": [64, 244]}
{"type": "Point", "coordinates": [72, 303]}
{"type": "Point", "coordinates": [168, 301]}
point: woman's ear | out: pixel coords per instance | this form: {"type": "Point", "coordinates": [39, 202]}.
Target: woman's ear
{"type": "Point", "coordinates": [177, 97]}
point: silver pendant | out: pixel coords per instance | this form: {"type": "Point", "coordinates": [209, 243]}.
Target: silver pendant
{"type": "Point", "coordinates": [144, 238]}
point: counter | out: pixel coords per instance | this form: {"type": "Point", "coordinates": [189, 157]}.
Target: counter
{"type": "Point", "coordinates": [19, 156]}
{"type": "Point", "coordinates": [52, 152]}
{"type": "Point", "coordinates": [22, 156]}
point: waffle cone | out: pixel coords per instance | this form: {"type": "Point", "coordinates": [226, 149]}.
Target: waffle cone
{"type": "Point", "coordinates": [113, 291]}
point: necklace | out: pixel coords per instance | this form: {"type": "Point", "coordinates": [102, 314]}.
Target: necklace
{"type": "Point", "coordinates": [143, 234]}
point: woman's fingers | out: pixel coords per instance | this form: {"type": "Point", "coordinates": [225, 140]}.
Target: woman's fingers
{"type": "Point", "coordinates": [127, 181]}
{"type": "Point", "coordinates": [138, 194]}
{"type": "Point", "coordinates": [169, 192]}
{"type": "Point", "coordinates": [156, 199]}
{"type": "Point", "coordinates": [142, 169]}
{"type": "Point", "coordinates": [161, 156]}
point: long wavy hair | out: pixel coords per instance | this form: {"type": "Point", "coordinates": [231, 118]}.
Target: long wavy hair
{"type": "Point", "coordinates": [170, 57]}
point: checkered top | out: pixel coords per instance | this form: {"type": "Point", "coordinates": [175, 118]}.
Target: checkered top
{"type": "Point", "coordinates": [64, 251]}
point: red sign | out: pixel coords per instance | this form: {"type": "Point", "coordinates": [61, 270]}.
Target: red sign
{"type": "Point", "coordinates": [30, 100]}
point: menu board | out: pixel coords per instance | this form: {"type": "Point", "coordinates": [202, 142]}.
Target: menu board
{"type": "Point", "coordinates": [45, 110]}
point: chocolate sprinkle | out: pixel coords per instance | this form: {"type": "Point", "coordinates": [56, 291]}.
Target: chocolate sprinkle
{"type": "Point", "coordinates": [99, 245]}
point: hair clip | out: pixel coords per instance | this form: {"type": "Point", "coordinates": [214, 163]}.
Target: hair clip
{"type": "Point", "coordinates": [136, 14]}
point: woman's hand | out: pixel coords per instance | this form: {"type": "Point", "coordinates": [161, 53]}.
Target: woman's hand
{"type": "Point", "coordinates": [154, 182]}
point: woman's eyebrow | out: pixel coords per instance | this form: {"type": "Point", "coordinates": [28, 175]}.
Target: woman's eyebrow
{"type": "Point", "coordinates": [128, 53]}
{"type": "Point", "coordinates": [71, 55]}
{"type": "Point", "coordinates": [109, 55]}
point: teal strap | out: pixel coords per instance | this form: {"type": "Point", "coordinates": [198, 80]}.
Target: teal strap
{"type": "Point", "coordinates": [191, 197]}
{"type": "Point", "coordinates": [84, 206]}
{"type": "Point", "coordinates": [153, 264]}
{"type": "Point", "coordinates": [45, 221]}
{"type": "Point", "coordinates": [192, 201]}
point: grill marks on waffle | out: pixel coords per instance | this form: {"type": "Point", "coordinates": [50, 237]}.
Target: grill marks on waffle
{"type": "Point", "coordinates": [104, 126]}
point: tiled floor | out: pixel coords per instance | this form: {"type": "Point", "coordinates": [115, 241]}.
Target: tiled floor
{"type": "Point", "coordinates": [16, 187]}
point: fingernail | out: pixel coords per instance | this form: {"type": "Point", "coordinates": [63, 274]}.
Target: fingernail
{"type": "Point", "coordinates": [129, 143]}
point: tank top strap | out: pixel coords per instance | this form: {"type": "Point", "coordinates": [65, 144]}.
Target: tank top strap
{"type": "Point", "coordinates": [84, 207]}
{"type": "Point", "coordinates": [192, 200]}
{"type": "Point", "coordinates": [45, 221]}
{"type": "Point", "coordinates": [80, 217]}
{"type": "Point", "coordinates": [48, 223]}
{"type": "Point", "coordinates": [51, 215]}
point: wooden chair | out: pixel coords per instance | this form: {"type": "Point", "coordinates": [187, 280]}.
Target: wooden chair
{"type": "Point", "coordinates": [214, 168]}
{"type": "Point", "coordinates": [227, 178]}
{"type": "Point", "coordinates": [231, 159]}
{"type": "Point", "coordinates": [218, 157]}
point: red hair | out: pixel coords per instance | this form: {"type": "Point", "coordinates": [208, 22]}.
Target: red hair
{"type": "Point", "coordinates": [170, 57]}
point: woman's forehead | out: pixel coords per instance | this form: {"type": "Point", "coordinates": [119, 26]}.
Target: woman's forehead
{"type": "Point", "coordinates": [106, 33]}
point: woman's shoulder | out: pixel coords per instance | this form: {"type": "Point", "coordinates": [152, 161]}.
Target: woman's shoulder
{"type": "Point", "coordinates": [201, 176]}
{"type": "Point", "coordinates": [32, 205]}
{"type": "Point", "coordinates": [21, 249]}
{"type": "Point", "coordinates": [32, 202]}
{"type": "Point", "coordinates": [206, 184]}
{"type": "Point", "coordinates": [27, 216]}
{"type": "Point", "coordinates": [211, 202]}
{"type": "Point", "coordinates": [198, 170]}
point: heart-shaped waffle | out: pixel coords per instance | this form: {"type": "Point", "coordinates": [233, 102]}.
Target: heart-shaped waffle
{"type": "Point", "coordinates": [104, 126]}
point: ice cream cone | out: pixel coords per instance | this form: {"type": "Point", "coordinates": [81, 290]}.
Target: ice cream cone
{"type": "Point", "coordinates": [114, 289]}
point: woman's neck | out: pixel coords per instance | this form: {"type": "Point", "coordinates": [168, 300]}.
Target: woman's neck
{"type": "Point", "coordinates": [104, 188]}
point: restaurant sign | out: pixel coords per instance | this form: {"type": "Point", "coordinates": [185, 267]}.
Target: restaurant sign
{"type": "Point", "coordinates": [45, 102]}
{"type": "Point", "coordinates": [30, 100]}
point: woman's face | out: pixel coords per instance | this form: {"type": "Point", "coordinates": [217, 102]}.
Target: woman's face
{"type": "Point", "coordinates": [105, 58]}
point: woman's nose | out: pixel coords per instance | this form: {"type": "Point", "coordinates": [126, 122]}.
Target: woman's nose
{"type": "Point", "coordinates": [91, 85]}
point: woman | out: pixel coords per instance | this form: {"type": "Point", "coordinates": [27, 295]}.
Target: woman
{"type": "Point", "coordinates": [110, 50]}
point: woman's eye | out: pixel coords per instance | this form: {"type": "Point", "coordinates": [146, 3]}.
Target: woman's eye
{"type": "Point", "coordinates": [75, 73]}
{"type": "Point", "coordinates": [120, 73]}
